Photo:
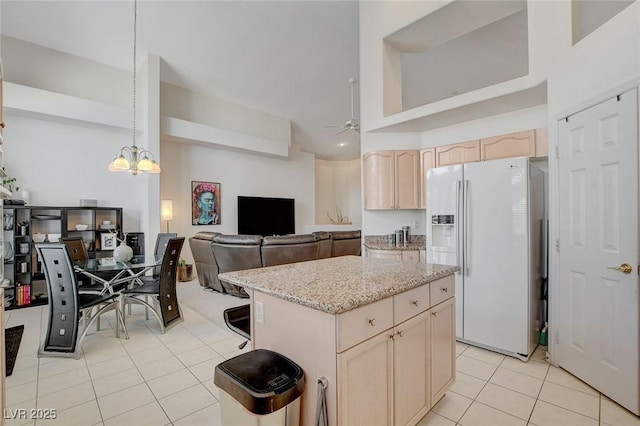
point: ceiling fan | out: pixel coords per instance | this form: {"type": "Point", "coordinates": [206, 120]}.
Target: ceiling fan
{"type": "Point", "coordinates": [353, 123]}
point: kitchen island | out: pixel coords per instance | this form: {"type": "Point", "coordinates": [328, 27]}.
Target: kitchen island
{"type": "Point", "coordinates": [381, 332]}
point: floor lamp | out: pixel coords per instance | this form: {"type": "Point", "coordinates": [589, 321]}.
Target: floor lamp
{"type": "Point", "coordinates": [166, 211]}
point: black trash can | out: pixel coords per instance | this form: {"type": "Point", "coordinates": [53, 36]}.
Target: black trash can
{"type": "Point", "coordinates": [260, 387]}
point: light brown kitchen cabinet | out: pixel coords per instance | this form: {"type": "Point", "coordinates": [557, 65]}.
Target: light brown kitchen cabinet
{"type": "Point", "coordinates": [365, 375]}
{"type": "Point", "coordinates": [384, 254]}
{"type": "Point", "coordinates": [411, 256]}
{"type": "Point", "coordinates": [519, 144]}
{"type": "Point", "coordinates": [411, 370]}
{"type": "Point", "coordinates": [391, 180]}
{"type": "Point", "coordinates": [542, 143]}
{"type": "Point", "coordinates": [391, 366]}
{"type": "Point", "coordinates": [427, 161]}
{"type": "Point", "coordinates": [459, 153]}
{"type": "Point", "coordinates": [443, 347]}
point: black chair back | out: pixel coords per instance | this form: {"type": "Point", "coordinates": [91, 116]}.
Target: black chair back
{"type": "Point", "coordinates": [168, 277]}
{"type": "Point", "coordinates": [64, 310]}
{"type": "Point", "coordinates": [161, 245]}
{"type": "Point", "coordinates": [77, 249]}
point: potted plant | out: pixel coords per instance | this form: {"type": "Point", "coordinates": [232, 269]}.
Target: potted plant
{"type": "Point", "coordinates": [185, 271]}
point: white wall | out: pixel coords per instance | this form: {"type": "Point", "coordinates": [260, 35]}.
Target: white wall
{"type": "Point", "coordinates": [338, 185]}
{"type": "Point", "coordinates": [599, 66]}
{"type": "Point", "coordinates": [238, 174]}
{"type": "Point", "coordinates": [59, 164]}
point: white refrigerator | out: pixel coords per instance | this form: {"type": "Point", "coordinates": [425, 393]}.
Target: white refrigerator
{"type": "Point", "coordinates": [485, 217]}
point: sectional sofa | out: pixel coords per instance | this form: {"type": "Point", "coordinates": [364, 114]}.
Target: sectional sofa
{"type": "Point", "coordinates": [215, 253]}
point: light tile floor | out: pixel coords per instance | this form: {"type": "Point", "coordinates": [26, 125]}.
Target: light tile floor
{"type": "Point", "coordinates": [154, 379]}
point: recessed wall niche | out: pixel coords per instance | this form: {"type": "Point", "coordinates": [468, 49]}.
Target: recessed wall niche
{"type": "Point", "coordinates": [462, 47]}
{"type": "Point", "coordinates": [589, 15]}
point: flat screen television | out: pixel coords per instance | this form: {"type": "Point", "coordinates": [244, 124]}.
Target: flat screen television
{"type": "Point", "coordinates": [266, 216]}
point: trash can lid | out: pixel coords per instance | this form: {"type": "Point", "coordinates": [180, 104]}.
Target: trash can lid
{"type": "Point", "coordinates": [261, 380]}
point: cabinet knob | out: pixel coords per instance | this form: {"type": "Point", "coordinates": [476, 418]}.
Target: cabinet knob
{"type": "Point", "coordinates": [414, 303]}
{"type": "Point", "coordinates": [392, 336]}
{"type": "Point", "coordinates": [400, 333]}
{"type": "Point", "coordinates": [372, 322]}
{"type": "Point", "coordinates": [435, 314]}
{"type": "Point", "coordinates": [444, 289]}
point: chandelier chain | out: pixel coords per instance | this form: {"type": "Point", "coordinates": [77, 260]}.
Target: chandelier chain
{"type": "Point", "coordinates": [135, 31]}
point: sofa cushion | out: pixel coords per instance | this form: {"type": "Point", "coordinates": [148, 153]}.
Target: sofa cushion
{"type": "Point", "coordinates": [238, 239]}
{"type": "Point", "coordinates": [346, 243]}
{"type": "Point", "coordinates": [236, 253]}
{"type": "Point", "coordinates": [206, 235]}
{"type": "Point", "coordinates": [279, 250]}
{"type": "Point", "coordinates": [324, 244]}
{"type": "Point", "coordinates": [206, 266]}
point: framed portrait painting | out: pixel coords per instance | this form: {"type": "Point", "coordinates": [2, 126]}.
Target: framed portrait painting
{"type": "Point", "coordinates": [205, 203]}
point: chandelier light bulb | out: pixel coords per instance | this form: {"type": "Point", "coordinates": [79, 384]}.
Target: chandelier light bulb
{"type": "Point", "coordinates": [121, 163]}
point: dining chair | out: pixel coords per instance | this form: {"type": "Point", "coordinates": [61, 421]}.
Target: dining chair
{"type": "Point", "coordinates": [67, 306]}
{"type": "Point", "coordinates": [165, 306]}
{"type": "Point", "coordinates": [161, 245]}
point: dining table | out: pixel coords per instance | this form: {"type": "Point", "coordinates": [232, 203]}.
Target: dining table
{"type": "Point", "coordinates": [114, 275]}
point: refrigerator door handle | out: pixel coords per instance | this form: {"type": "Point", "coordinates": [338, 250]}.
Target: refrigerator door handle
{"type": "Point", "coordinates": [466, 227]}
{"type": "Point", "coordinates": [457, 224]}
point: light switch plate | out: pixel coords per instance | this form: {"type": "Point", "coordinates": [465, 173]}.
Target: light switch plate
{"type": "Point", "coordinates": [259, 312]}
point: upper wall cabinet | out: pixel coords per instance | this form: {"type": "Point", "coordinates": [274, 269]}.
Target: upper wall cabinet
{"type": "Point", "coordinates": [391, 180]}
{"type": "Point", "coordinates": [520, 144]}
{"type": "Point", "coordinates": [427, 161]}
{"type": "Point", "coordinates": [464, 152]}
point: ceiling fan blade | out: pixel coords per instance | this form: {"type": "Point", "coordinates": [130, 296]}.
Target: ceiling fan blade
{"type": "Point", "coordinates": [342, 130]}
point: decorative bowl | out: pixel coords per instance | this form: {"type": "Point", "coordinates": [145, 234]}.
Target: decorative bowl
{"type": "Point", "coordinates": [53, 238]}
{"type": "Point", "coordinates": [82, 227]}
{"type": "Point", "coordinates": [106, 222]}
{"type": "Point", "coordinates": [38, 238]}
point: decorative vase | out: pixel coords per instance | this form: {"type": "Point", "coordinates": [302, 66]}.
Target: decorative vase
{"type": "Point", "coordinates": [123, 253]}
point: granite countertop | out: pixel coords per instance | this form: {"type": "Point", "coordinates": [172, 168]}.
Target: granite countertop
{"type": "Point", "coordinates": [338, 284]}
{"type": "Point", "coordinates": [379, 242]}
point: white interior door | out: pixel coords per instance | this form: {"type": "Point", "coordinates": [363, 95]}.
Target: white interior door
{"type": "Point", "coordinates": [598, 210]}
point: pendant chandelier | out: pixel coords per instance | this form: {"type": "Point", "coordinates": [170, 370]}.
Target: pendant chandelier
{"type": "Point", "coordinates": [131, 158]}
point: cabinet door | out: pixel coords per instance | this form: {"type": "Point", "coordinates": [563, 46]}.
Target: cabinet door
{"type": "Point", "coordinates": [411, 256]}
{"type": "Point", "coordinates": [464, 152]}
{"type": "Point", "coordinates": [378, 178]}
{"type": "Point", "coordinates": [520, 144]}
{"type": "Point", "coordinates": [443, 348]}
{"type": "Point", "coordinates": [407, 179]}
{"type": "Point", "coordinates": [410, 370]}
{"type": "Point", "coordinates": [384, 254]}
{"type": "Point", "coordinates": [427, 161]}
{"type": "Point", "coordinates": [365, 377]}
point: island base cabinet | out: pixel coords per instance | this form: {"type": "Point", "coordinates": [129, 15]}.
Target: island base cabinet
{"type": "Point", "coordinates": [411, 370]}
{"type": "Point", "coordinates": [365, 376]}
{"type": "Point", "coordinates": [443, 348]}
{"type": "Point", "coordinates": [385, 380]}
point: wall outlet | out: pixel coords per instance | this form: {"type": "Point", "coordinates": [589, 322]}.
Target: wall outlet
{"type": "Point", "coordinates": [259, 312]}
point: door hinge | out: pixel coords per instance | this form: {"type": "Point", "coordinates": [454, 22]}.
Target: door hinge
{"type": "Point", "coordinates": [557, 151]}
{"type": "Point", "coordinates": [558, 246]}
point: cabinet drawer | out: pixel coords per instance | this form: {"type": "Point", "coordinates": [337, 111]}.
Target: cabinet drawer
{"type": "Point", "coordinates": [411, 256]}
{"type": "Point", "coordinates": [384, 254]}
{"type": "Point", "coordinates": [410, 303]}
{"type": "Point", "coordinates": [362, 323]}
{"type": "Point", "coordinates": [442, 289]}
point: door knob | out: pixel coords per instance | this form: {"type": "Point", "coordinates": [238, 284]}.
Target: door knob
{"type": "Point", "coordinates": [625, 268]}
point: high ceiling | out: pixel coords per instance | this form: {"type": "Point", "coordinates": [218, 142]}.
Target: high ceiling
{"type": "Point", "coordinates": [288, 58]}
